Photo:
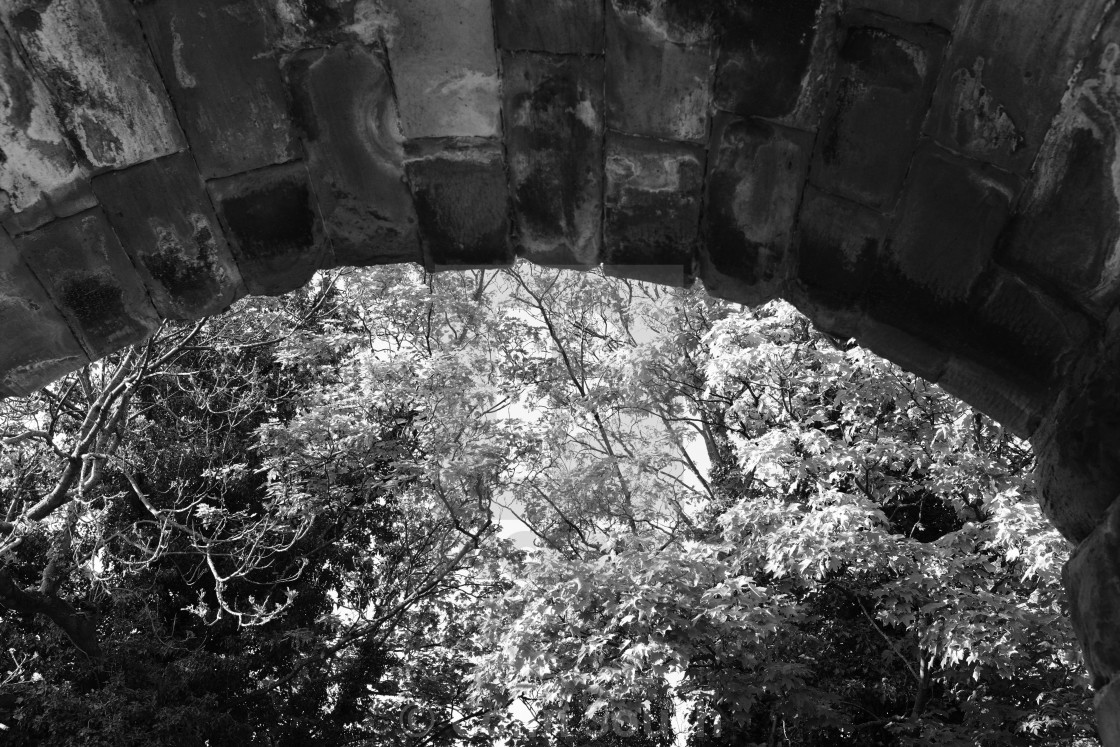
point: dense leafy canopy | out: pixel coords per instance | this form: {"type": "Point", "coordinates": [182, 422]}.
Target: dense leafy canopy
{"type": "Point", "coordinates": [284, 526]}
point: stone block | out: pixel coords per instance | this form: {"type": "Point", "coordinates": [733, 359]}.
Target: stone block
{"type": "Point", "coordinates": [445, 68]}
{"type": "Point", "coordinates": [756, 172]}
{"type": "Point", "coordinates": [554, 132]}
{"type": "Point", "coordinates": [218, 60]}
{"type": "Point", "coordinates": [837, 249]}
{"type": "Point", "coordinates": [557, 26]}
{"type": "Point", "coordinates": [885, 77]}
{"type": "Point", "coordinates": [676, 21]}
{"type": "Point", "coordinates": [655, 87]}
{"type": "Point", "coordinates": [91, 280]}
{"type": "Point", "coordinates": [1107, 703]}
{"type": "Point", "coordinates": [37, 158]}
{"type": "Point", "coordinates": [272, 223]}
{"type": "Point", "coordinates": [165, 222]}
{"type": "Point", "coordinates": [653, 200]}
{"type": "Point", "coordinates": [1092, 581]}
{"type": "Point", "coordinates": [767, 52]}
{"type": "Point", "coordinates": [38, 343]}
{"type": "Point", "coordinates": [462, 201]}
{"type": "Point", "coordinates": [1013, 401]}
{"type": "Point", "coordinates": [1068, 227]}
{"type": "Point", "coordinates": [914, 354]}
{"type": "Point", "coordinates": [325, 23]}
{"type": "Point", "coordinates": [344, 103]}
{"type": "Point", "coordinates": [92, 56]}
{"type": "Point", "coordinates": [1009, 65]}
{"type": "Point", "coordinates": [942, 13]}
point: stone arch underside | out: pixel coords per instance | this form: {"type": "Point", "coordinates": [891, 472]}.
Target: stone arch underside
{"type": "Point", "coordinates": [937, 178]}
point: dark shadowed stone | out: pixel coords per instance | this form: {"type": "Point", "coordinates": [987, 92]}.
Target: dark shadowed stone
{"type": "Point", "coordinates": [1002, 394]}
{"type": "Point", "coordinates": [653, 198]}
{"type": "Point", "coordinates": [38, 344]}
{"type": "Point", "coordinates": [163, 218]}
{"type": "Point", "coordinates": [838, 246]}
{"type": "Point", "coordinates": [756, 171]}
{"type": "Point", "coordinates": [271, 221]}
{"type": "Point", "coordinates": [445, 68]}
{"type": "Point", "coordinates": [677, 21]}
{"type": "Point", "coordinates": [1008, 67]}
{"type": "Point", "coordinates": [765, 54]}
{"type": "Point", "coordinates": [655, 87]}
{"type": "Point", "coordinates": [91, 280]}
{"type": "Point", "coordinates": [941, 13]}
{"type": "Point", "coordinates": [1068, 227]}
{"type": "Point", "coordinates": [913, 354]}
{"type": "Point", "coordinates": [886, 77]}
{"type": "Point", "coordinates": [344, 102]}
{"type": "Point", "coordinates": [36, 158]}
{"type": "Point", "coordinates": [219, 62]}
{"type": "Point", "coordinates": [1107, 703]}
{"type": "Point", "coordinates": [1092, 581]}
{"type": "Point", "coordinates": [462, 203]}
{"type": "Point", "coordinates": [554, 132]}
{"type": "Point", "coordinates": [305, 24]}
{"type": "Point", "coordinates": [559, 26]}
{"type": "Point", "coordinates": [92, 56]}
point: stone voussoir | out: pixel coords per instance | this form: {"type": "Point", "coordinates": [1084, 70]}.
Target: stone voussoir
{"type": "Point", "coordinates": [556, 26]}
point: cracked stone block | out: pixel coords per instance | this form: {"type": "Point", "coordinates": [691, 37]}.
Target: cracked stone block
{"type": "Point", "coordinates": [655, 87]}
{"type": "Point", "coordinates": [91, 280]}
{"type": "Point", "coordinates": [272, 224]}
{"type": "Point", "coordinates": [445, 68]}
{"type": "Point", "coordinates": [554, 132]}
{"type": "Point", "coordinates": [838, 245]}
{"type": "Point", "coordinates": [39, 345]}
{"type": "Point", "coordinates": [1008, 67]}
{"type": "Point", "coordinates": [558, 26]}
{"type": "Point", "coordinates": [218, 61]}
{"type": "Point", "coordinates": [462, 201]}
{"type": "Point", "coordinates": [886, 76]}
{"type": "Point", "coordinates": [942, 13]}
{"type": "Point", "coordinates": [653, 198]}
{"type": "Point", "coordinates": [163, 217]}
{"type": "Point", "coordinates": [756, 171]}
{"type": "Point", "coordinates": [355, 154]}
{"type": "Point", "coordinates": [92, 56]}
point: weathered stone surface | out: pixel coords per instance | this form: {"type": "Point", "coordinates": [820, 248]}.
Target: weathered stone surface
{"type": "Point", "coordinates": [1092, 581]}
{"type": "Point", "coordinates": [91, 280]}
{"type": "Point", "coordinates": [655, 87]}
{"type": "Point", "coordinates": [766, 55]}
{"type": "Point", "coordinates": [325, 23]}
{"type": "Point", "coordinates": [218, 60]}
{"type": "Point", "coordinates": [163, 218]}
{"type": "Point", "coordinates": [1008, 67]}
{"type": "Point", "coordinates": [1068, 230]}
{"type": "Point", "coordinates": [1107, 703]}
{"type": "Point", "coordinates": [676, 21]}
{"type": "Point", "coordinates": [1014, 401]}
{"type": "Point", "coordinates": [345, 106]}
{"type": "Point", "coordinates": [445, 68]}
{"type": "Point", "coordinates": [653, 199]}
{"type": "Point", "coordinates": [554, 133]}
{"type": "Point", "coordinates": [838, 246]}
{"type": "Point", "coordinates": [37, 160]}
{"type": "Point", "coordinates": [558, 26]}
{"type": "Point", "coordinates": [914, 354]}
{"type": "Point", "coordinates": [462, 203]}
{"type": "Point", "coordinates": [273, 227]}
{"type": "Point", "coordinates": [92, 56]}
{"type": "Point", "coordinates": [756, 172]}
{"type": "Point", "coordinates": [941, 13]}
{"type": "Point", "coordinates": [38, 344]}
{"type": "Point", "coordinates": [886, 77]}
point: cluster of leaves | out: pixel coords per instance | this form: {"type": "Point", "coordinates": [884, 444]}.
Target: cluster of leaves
{"type": "Point", "coordinates": [280, 527]}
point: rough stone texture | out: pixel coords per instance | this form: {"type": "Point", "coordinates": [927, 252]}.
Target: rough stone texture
{"type": "Point", "coordinates": [462, 203]}
{"type": "Point", "coordinates": [554, 136]}
{"type": "Point", "coordinates": [324, 23]}
{"type": "Point", "coordinates": [838, 247]}
{"type": "Point", "coordinates": [886, 77]}
{"type": "Point", "coordinates": [38, 161]}
{"type": "Point", "coordinates": [272, 223]}
{"type": "Point", "coordinates": [653, 196]}
{"type": "Point", "coordinates": [445, 68]}
{"type": "Point", "coordinates": [1092, 581]}
{"type": "Point", "coordinates": [92, 56]}
{"type": "Point", "coordinates": [655, 87]}
{"type": "Point", "coordinates": [558, 26]}
{"type": "Point", "coordinates": [1108, 714]}
{"type": "Point", "coordinates": [217, 61]}
{"type": "Point", "coordinates": [345, 106]}
{"type": "Point", "coordinates": [38, 344]}
{"type": "Point", "coordinates": [164, 219]}
{"type": "Point", "coordinates": [912, 353]}
{"type": "Point", "coordinates": [941, 13]}
{"type": "Point", "coordinates": [89, 277]}
{"type": "Point", "coordinates": [1007, 69]}
{"type": "Point", "coordinates": [1008, 397]}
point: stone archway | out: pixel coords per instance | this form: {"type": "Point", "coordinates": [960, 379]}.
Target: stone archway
{"type": "Point", "coordinates": [936, 179]}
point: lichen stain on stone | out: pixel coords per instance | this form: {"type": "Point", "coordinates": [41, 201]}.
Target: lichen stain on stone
{"type": "Point", "coordinates": [765, 199]}
{"type": "Point", "coordinates": [305, 22]}
{"type": "Point", "coordinates": [97, 303]}
{"type": "Point", "coordinates": [650, 174]}
{"type": "Point", "coordinates": [182, 74]}
{"type": "Point", "coordinates": [980, 122]}
{"type": "Point", "coordinates": [471, 91]}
